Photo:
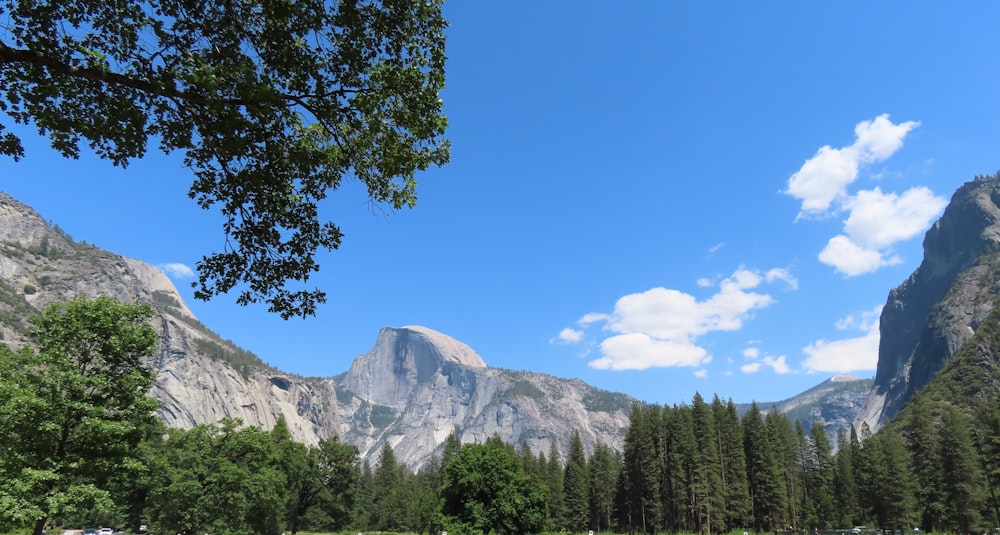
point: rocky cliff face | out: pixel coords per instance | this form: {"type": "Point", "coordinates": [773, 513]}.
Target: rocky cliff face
{"type": "Point", "coordinates": [928, 317]}
{"type": "Point", "coordinates": [411, 390]}
{"type": "Point", "coordinates": [197, 381]}
{"type": "Point", "coordinates": [415, 383]}
{"type": "Point", "coordinates": [416, 386]}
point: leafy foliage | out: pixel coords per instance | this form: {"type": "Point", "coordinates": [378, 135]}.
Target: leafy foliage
{"type": "Point", "coordinates": [74, 409]}
{"type": "Point", "coordinates": [272, 105]}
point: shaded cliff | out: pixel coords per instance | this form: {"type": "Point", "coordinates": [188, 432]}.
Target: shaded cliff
{"type": "Point", "coordinates": [941, 305]}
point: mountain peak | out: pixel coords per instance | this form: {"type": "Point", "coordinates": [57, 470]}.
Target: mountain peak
{"type": "Point", "coordinates": [404, 358]}
{"type": "Point", "coordinates": [450, 349]}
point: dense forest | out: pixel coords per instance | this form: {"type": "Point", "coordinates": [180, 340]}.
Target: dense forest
{"type": "Point", "coordinates": [687, 468]}
{"type": "Point", "coordinates": [80, 446]}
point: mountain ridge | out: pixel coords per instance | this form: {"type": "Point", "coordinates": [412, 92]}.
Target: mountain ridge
{"type": "Point", "coordinates": [413, 388]}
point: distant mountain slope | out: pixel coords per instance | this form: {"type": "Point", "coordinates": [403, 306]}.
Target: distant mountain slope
{"type": "Point", "coordinates": [413, 388]}
{"type": "Point", "coordinates": [834, 403]}
{"type": "Point", "coordinates": [941, 305]}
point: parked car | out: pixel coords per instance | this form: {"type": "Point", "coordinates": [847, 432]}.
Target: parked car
{"type": "Point", "coordinates": [105, 531]}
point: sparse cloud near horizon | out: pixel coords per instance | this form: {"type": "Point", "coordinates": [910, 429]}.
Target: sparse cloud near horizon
{"type": "Point", "coordinates": [661, 327]}
{"type": "Point", "coordinates": [876, 220]}
{"type": "Point", "coordinates": [176, 270]}
{"type": "Point", "coordinates": [848, 354]}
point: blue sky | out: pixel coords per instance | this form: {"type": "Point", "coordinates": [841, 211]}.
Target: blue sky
{"type": "Point", "coordinates": [655, 197]}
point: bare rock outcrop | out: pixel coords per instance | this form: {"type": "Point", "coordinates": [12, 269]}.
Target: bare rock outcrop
{"type": "Point", "coordinates": [927, 318]}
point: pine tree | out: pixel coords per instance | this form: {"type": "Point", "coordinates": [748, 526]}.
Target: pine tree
{"type": "Point", "coordinates": [784, 443]}
{"type": "Point", "coordinates": [388, 503]}
{"type": "Point", "coordinates": [604, 469]}
{"type": "Point", "coordinates": [639, 503]}
{"type": "Point", "coordinates": [820, 469]}
{"type": "Point", "coordinates": [734, 468]}
{"type": "Point", "coordinates": [677, 469]}
{"type": "Point", "coordinates": [962, 481]}
{"type": "Point", "coordinates": [763, 477]}
{"type": "Point", "coordinates": [575, 487]}
{"type": "Point", "coordinates": [554, 481]}
{"type": "Point", "coordinates": [922, 442]}
{"type": "Point", "coordinates": [845, 488]}
{"type": "Point", "coordinates": [707, 489]}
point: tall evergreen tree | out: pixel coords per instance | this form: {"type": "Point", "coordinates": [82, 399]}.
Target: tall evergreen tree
{"type": "Point", "coordinates": [988, 439]}
{"type": "Point", "coordinates": [763, 476]}
{"type": "Point", "coordinates": [706, 480]}
{"type": "Point", "coordinates": [734, 468]}
{"type": "Point", "coordinates": [845, 489]}
{"type": "Point", "coordinates": [554, 481]}
{"type": "Point", "coordinates": [784, 444]}
{"type": "Point", "coordinates": [819, 476]}
{"type": "Point", "coordinates": [603, 471]}
{"type": "Point", "coordinates": [962, 481]}
{"type": "Point", "coordinates": [387, 501]}
{"type": "Point", "coordinates": [677, 453]}
{"type": "Point", "coordinates": [576, 486]}
{"type": "Point", "coordinates": [922, 442]}
{"type": "Point", "coordinates": [639, 499]}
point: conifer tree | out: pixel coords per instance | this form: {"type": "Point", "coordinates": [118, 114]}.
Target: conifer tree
{"type": "Point", "coordinates": [603, 471]}
{"type": "Point", "coordinates": [575, 487]}
{"type": "Point", "coordinates": [554, 481]}
{"type": "Point", "coordinates": [922, 441]}
{"type": "Point", "coordinates": [845, 488]}
{"type": "Point", "coordinates": [639, 504]}
{"type": "Point", "coordinates": [763, 476]}
{"type": "Point", "coordinates": [677, 468]}
{"type": "Point", "coordinates": [962, 481]}
{"type": "Point", "coordinates": [706, 481]}
{"type": "Point", "coordinates": [734, 469]}
{"type": "Point", "coordinates": [820, 469]}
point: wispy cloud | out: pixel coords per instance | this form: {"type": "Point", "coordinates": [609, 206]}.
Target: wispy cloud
{"type": "Point", "coordinates": [876, 220]}
{"type": "Point", "coordinates": [177, 270]}
{"type": "Point", "coordinates": [661, 327]}
{"type": "Point", "coordinates": [778, 364]}
{"type": "Point", "coordinates": [848, 354]}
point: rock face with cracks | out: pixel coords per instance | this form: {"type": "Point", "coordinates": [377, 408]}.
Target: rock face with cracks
{"type": "Point", "coordinates": [929, 316]}
{"type": "Point", "coordinates": [414, 388]}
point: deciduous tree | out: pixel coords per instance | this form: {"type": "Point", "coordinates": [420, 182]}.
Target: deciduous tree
{"type": "Point", "coordinates": [73, 410]}
{"type": "Point", "coordinates": [272, 103]}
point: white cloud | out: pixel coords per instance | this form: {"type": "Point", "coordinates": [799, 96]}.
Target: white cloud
{"type": "Point", "coordinates": [593, 317]}
{"type": "Point", "coordinates": [177, 270]}
{"type": "Point", "coordinates": [716, 247]}
{"type": "Point", "coordinates": [879, 220]}
{"type": "Point", "coordinates": [751, 352]}
{"type": "Point", "coordinates": [876, 220]}
{"type": "Point", "coordinates": [753, 367]}
{"type": "Point", "coordinates": [703, 282]}
{"type": "Point", "coordinates": [660, 327]}
{"type": "Point", "coordinates": [824, 178]}
{"type": "Point", "coordinates": [777, 364]}
{"type": "Point", "coordinates": [782, 275]}
{"type": "Point", "coordinates": [845, 323]}
{"type": "Point", "coordinates": [701, 374]}
{"type": "Point", "coordinates": [569, 336]}
{"type": "Point", "coordinates": [852, 259]}
{"type": "Point", "coordinates": [848, 354]}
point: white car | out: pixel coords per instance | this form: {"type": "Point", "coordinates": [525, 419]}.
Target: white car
{"type": "Point", "coordinates": [105, 531]}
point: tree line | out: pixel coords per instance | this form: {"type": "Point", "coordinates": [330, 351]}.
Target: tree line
{"type": "Point", "coordinates": [79, 445]}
